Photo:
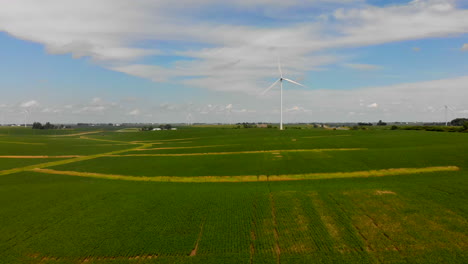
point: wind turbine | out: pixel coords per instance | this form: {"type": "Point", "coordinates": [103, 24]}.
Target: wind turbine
{"type": "Point", "coordinates": [26, 114]}
{"type": "Point", "coordinates": [189, 117]}
{"type": "Point", "coordinates": [280, 80]}
{"type": "Point", "coordinates": [228, 113]}
{"type": "Point", "coordinates": [446, 113]}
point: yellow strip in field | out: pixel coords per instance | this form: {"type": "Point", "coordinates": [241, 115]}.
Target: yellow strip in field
{"type": "Point", "coordinates": [254, 178]}
{"type": "Point", "coordinates": [40, 157]}
{"type": "Point", "coordinates": [67, 161]}
{"type": "Point", "coordinates": [191, 147]}
{"type": "Point", "coordinates": [108, 140]}
{"type": "Point", "coordinates": [236, 152]}
{"type": "Point", "coordinates": [78, 134]}
{"type": "Point", "coordinates": [103, 145]}
{"type": "Point", "coordinates": [22, 143]}
{"type": "Point", "coordinates": [164, 140]}
{"type": "Point", "coordinates": [346, 135]}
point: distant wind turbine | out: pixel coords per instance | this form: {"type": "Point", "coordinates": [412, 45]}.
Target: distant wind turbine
{"type": "Point", "coordinates": [280, 80]}
{"type": "Point", "coordinates": [189, 117]}
{"type": "Point", "coordinates": [26, 114]}
{"type": "Point", "coordinates": [446, 113]}
{"type": "Point", "coordinates": [228, 113]}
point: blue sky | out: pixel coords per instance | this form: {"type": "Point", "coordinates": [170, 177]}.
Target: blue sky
{"type": "Point", "coordinates": [156, 61]}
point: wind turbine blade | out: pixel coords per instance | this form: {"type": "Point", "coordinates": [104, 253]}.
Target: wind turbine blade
{"type": "Point", "coordinates": [270, 87]}
{"type": "Point", "coordinates": [291, 81]}
{"type": "Point", "coordinates": [279, 68]}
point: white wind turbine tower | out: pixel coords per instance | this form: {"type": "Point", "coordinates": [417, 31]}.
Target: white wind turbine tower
{"type": "Point", "coordinates": [189, 117]}
{"type": "Point", "coordinates": [280, 80]}
{"type": "Point", "coordinates": [446, 113]}
{"type": "Point", "coordinates": [26, 115]}
{"type": "Point", "coordinates": [228, 113]}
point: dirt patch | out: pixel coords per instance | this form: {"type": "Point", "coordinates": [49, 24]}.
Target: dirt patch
{"type": "Point", "coordinates": [195, 249]}
{"type": "Point", "coordinates": [381, 192]}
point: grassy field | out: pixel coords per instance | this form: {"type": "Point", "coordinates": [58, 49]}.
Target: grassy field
{"type": "Point", "coordinates": [245, 196]}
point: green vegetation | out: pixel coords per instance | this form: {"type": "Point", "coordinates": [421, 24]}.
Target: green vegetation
{"type": "Point", "coordinates": [407, 218]}
{"type": "Point", "coordinates": [464, 128]}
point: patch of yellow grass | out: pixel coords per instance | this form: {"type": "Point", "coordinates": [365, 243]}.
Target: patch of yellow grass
{"type": "Point", "coordinates": [107, 140]}
{"type": "Point", "coordinates": [22, 143]}
{"type": "Point", "coordinates": [66, 161]}
{"type": "Point", "coordinates": [40, 157]}
{"type": "Point", "coordinates": [191, 147]}
{"type": "Point", "coordinates": [78, 134]}
{"type": "Point", "coordinates": [234, 152]}
{"type": "Point", "coordinates": [381, 192]}
{"type": "Point", "coordinates": [253, 178]}
{"type": "Point", "coordinates": [346, 135]}
{"type": "Point", "coordinates": [163, 140]}
{"type": "Point", "coordinates": [125, 130]}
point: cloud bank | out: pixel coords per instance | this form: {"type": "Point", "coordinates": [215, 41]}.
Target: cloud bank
{"type": "Point", "coordinates": [222, 55]}
{"type": "Point", "coordinates": [420, 101]}
{"type": "Point", "coordinates": [234, 48]}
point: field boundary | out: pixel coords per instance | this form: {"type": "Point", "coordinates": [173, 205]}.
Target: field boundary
{"type": "Point", "coordinates": [92, 259]}
{"type": "Point", "coordinates": [66, 161]}
{"type": "Point", "coordinates": [22, 143]}
{"type": "Point", "coordinates": [190, 147]}
{"type": "Point", "coordinates": [231, 152]}
{"type": "Point", "coordinates": [78, 134]}
{"type": "Point", "coordinates": [40, 157]}
{"type": "Point", "coordinates": [254, 178]}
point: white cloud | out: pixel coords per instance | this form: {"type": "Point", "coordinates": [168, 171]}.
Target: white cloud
{"type": "Point", "coordinates": [362, 67]}
{"type": "Point", "coordinates": [420, 101]}
{"type": "Point", "coordinates": [464, 47]}
{"type": "Point", "coordinates": [134, 112]}
{"type": "Point", "coordinates": [96, 100]}
{"type": "Point", "coordinates": [240, 57]}
{"type": "Point", "coordinates": [28, 104]}
{"type": "Point", "coordinates": [50, 110]}
{"type": "Point", "coordinates": [231, 57]}
{"type": "Point", "coordinates": [296, 109]}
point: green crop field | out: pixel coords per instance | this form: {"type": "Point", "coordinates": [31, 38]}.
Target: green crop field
{"type": "Point", "coordinates": [223, 195]}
